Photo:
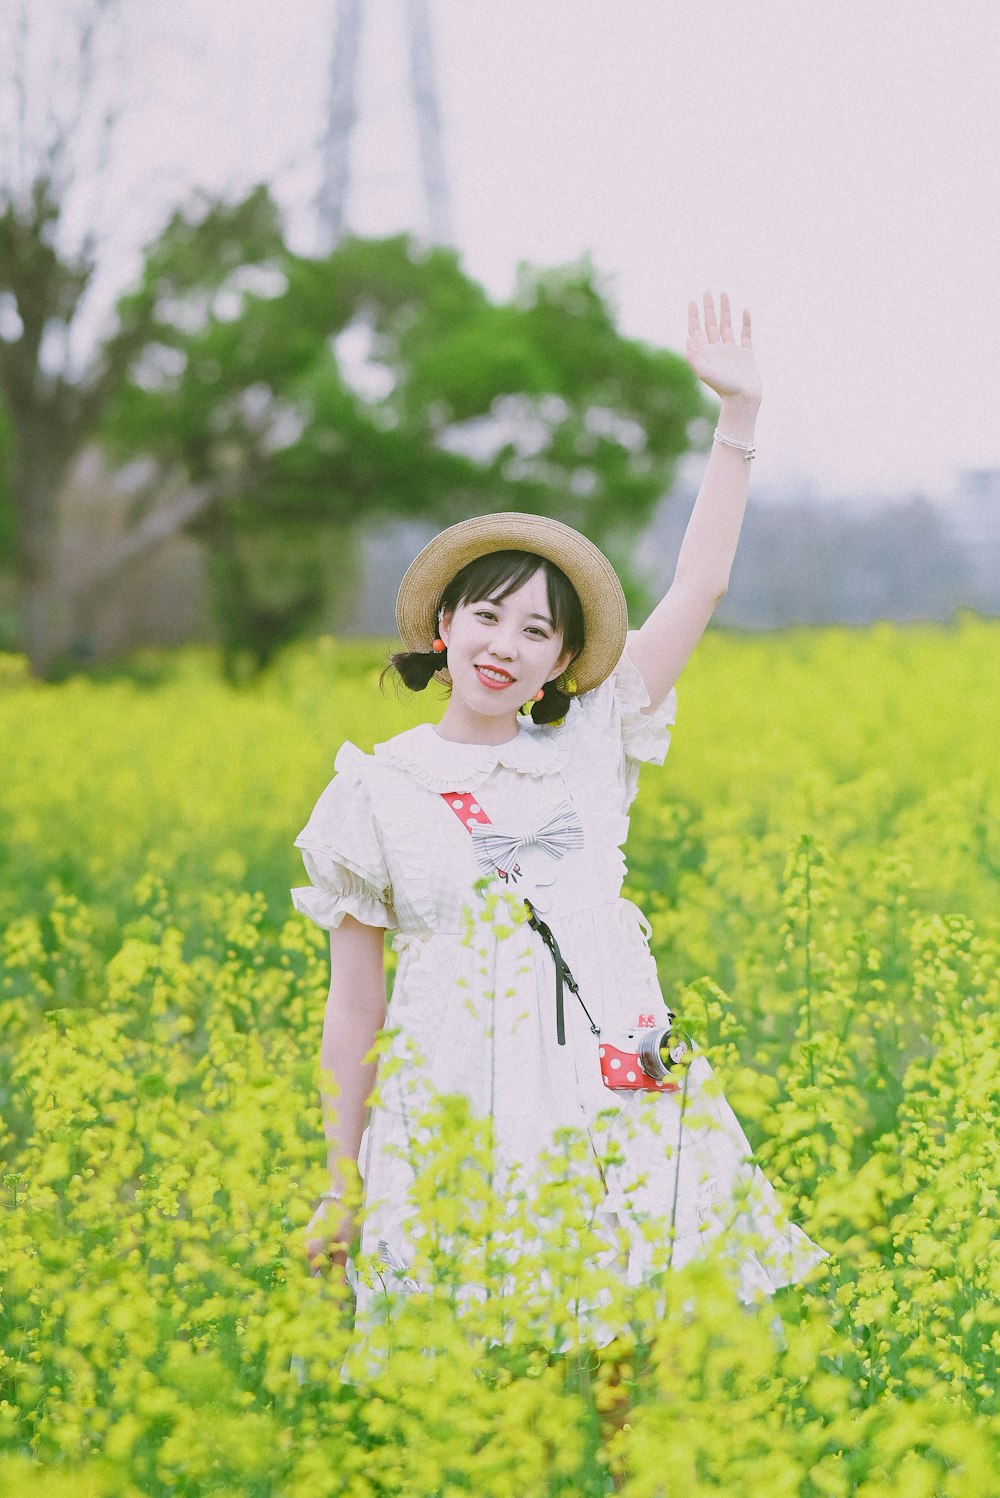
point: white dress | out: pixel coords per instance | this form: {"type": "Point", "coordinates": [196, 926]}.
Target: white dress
{"type": "Point", "coordinates": [478, 1016]}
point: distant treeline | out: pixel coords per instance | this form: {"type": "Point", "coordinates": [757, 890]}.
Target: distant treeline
{"type": "Point", "coordinates": [823, 561]}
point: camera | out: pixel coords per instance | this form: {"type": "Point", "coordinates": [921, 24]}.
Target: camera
{"type": "Point", "coordinates": [644, 1059]}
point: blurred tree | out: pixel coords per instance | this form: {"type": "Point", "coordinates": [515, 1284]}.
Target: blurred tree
{"type": "Point", "coordinates": [51, 139]}
{"type": "Point", "coordinates": [280, 403]}
{"type": "Point", "coordinates": [303, 399]}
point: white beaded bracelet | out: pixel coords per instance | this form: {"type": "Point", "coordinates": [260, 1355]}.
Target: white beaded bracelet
{"type": "Point", "coordinates": [331, 1196]}
{"type": "Point", "coordinates": [746, 448]}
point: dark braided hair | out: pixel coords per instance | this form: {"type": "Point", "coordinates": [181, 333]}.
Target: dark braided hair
{"type": "Point", "coordinates": [494, 576]}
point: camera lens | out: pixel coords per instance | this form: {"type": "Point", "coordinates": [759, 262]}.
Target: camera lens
{"type": "Point", "coordinates": [659, 1051]}
{"type": "Point", "coordinates": [653, 1053]}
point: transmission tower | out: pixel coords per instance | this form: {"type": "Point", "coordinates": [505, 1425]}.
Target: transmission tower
{"type": "Point", "coordinates": [345, 66]}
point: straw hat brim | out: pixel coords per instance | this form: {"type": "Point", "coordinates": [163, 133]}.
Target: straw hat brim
{"type": "Point", "coordinates": [605, 617]}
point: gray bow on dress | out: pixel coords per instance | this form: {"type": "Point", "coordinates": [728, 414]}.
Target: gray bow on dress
{"type": "Point", "coordinates": [496, 849]}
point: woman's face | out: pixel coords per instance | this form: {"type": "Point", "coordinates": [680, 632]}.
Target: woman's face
{"type": "Point", "coordinates": [501, 651]}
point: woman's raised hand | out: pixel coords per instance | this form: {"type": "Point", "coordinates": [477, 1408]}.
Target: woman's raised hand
{"type": "Point", "coordinates": [727, 367]}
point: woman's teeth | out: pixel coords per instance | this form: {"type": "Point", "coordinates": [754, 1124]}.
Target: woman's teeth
{"type": "Point", "coordinates": [493, 678]}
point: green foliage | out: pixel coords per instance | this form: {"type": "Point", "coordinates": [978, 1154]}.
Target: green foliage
{"type": "Point", "coordinates": [822, 890]}
{"type": "Point", "coordinates": [225, 370]}
{"type": "Point", "coordinates": [236, 378]}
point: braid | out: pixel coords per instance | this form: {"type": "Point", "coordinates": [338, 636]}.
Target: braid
{"type": "Point", "coordinates": [416, 667]}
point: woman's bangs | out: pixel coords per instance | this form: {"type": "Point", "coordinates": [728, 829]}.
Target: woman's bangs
{"type": "Point", "coordinates": [502, 572]}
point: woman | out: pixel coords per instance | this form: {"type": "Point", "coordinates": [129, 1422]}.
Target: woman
{"type": "Point", "coordinates": [518, 611]}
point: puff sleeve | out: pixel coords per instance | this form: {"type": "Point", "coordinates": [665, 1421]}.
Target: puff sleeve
{"type": "Point", "coordinates": [614, 711]}
{"type": "Point", "coordinates": [342, 853]}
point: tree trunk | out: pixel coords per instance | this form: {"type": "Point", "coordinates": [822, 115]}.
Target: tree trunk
{"type": "Point", "coordinates": [39, 471]}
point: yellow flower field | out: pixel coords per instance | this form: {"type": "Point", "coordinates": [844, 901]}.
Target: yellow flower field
{"type": "Point", "coordinates": [820, 861]}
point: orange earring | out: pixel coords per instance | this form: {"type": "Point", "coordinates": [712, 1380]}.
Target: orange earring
{"type": "Point", "coordinates": [538, 695]}
{"type": "Point", "coordinates": [438, 646]}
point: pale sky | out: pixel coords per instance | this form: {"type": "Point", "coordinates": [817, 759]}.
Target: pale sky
{"type": "Point", "coordinates": [834, 165]}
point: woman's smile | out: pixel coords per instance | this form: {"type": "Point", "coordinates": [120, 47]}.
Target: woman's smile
{"type": "Point", "coordinates": [494, 677]}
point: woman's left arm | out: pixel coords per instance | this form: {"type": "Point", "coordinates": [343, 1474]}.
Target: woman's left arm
{"type": "Point", "coordinates": [673, 629]}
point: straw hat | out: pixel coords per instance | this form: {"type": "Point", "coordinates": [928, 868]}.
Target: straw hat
{"type": "Point", "coordinates": [605, 618]}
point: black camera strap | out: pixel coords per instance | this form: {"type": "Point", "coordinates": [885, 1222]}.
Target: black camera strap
{"type": "Point", "coordinates": [563, 974]}
{"type": "Point", "coordinates": [470, 813]}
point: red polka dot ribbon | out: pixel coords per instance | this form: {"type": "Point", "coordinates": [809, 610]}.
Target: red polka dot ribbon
{"type": "Point", "coordinates": [469, 812]}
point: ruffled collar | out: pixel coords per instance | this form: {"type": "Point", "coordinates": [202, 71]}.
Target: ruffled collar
{"type": "Point", "coordinates": [442, 765]}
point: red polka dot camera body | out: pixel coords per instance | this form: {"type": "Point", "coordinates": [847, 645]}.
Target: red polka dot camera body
{"type": "Point", "coordinates": [648, 1058]}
